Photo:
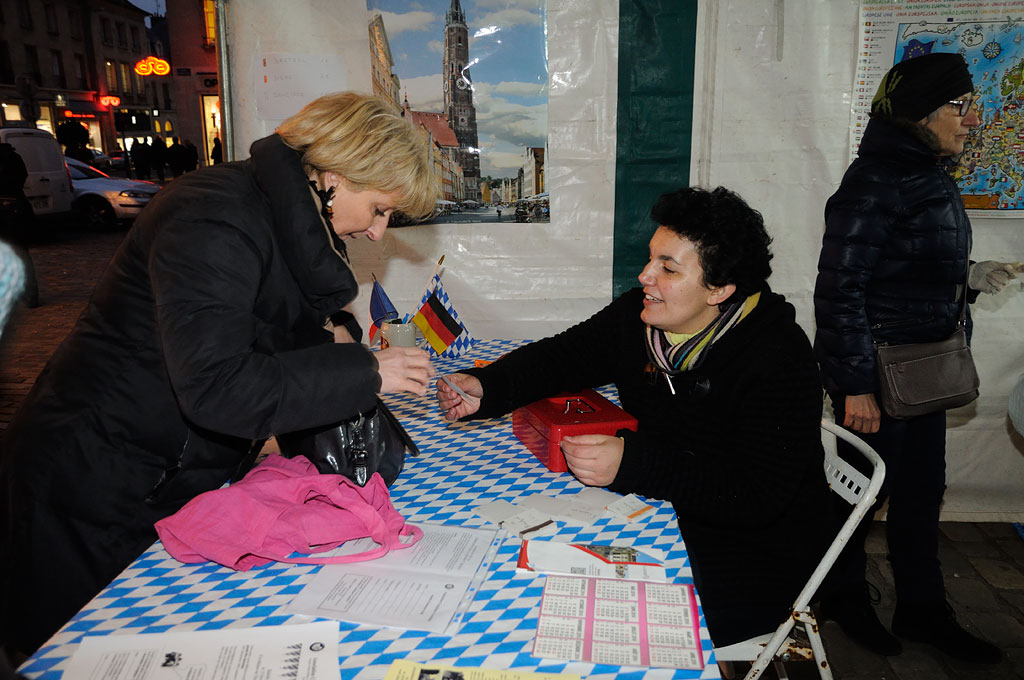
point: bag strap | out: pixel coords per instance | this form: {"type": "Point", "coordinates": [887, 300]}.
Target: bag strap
{"type": "Point", "coordinates": [407, 531]}
{"type": "Point", "coordinates": [387, 415]}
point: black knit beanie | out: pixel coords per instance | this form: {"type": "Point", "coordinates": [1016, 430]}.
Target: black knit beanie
{"type": "Point", "coordinates": [914, 88]}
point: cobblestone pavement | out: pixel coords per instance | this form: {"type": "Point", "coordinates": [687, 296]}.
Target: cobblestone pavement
{"type": "Point", "coordinates": [983, 563]}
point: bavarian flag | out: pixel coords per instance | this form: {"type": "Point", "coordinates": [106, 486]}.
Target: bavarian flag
{"type": "Point", "coordinates": [439, 322]}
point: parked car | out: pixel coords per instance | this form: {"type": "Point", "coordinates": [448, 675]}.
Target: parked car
{"type": "Point", "coordinates": [118, 159]}
{"type": "Point", "coordinates": [100, 160]}
{"type": "Point", "coordinates": [101, 201]}
{"type": "Point", "coordinates": [48, 187]}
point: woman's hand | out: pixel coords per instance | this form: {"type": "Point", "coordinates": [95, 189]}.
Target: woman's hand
{"type": "Point", "coordinates": [593, 458]}
{"type": "Point", "coordinates": [862, 413]}
{"type": "Point", "coordinates": [451, 403]}
{"type": "Point", "coordinates": [404, 369]}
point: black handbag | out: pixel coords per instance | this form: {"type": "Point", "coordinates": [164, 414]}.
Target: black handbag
{"type": "Point", "coordinates": [373, 441]}
{"type": "Point", "coordinates": [926, 377]}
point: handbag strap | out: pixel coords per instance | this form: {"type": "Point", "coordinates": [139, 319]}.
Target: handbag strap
{"type": "Point", "coordinates": [382, 549]}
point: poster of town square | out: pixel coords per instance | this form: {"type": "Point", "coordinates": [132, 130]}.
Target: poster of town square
{"type": "Point", "coordinates": [473, 75]}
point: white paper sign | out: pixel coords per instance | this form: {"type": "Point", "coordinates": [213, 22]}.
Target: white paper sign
{"type": "Point", "coordinates": [286, 82]}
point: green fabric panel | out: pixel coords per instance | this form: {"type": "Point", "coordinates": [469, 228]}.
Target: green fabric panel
{"type": "Point", "coordinates": [656, 47]}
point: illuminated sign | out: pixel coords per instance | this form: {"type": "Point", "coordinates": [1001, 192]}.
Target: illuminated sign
{"type": "Point", "coordinates": [110, 100]}
{"type": "Point", "coordinates": [152, 66]}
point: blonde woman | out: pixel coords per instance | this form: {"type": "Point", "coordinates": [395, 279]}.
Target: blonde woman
{"type": "Point", "coordinates": [210, 328]}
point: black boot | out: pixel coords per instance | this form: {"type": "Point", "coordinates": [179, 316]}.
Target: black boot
{"type": "Point", "coordinates": [936, 625]}
{"type": "Point", "coordinates": [852, 609]}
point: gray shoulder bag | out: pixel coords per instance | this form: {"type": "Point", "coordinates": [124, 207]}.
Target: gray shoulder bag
{"type": "Point", "coordinates": [925, 377]}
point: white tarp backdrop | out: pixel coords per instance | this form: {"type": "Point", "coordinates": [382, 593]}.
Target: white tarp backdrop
{"type": "Point", "coordinates": [773, 82]}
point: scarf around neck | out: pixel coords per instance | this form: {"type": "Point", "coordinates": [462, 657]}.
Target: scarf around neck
{"type": "Point", "coordinates": [673, 359]}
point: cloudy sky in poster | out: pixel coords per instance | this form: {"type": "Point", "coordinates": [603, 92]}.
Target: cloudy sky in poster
{"type": "Point", "coordinates": [509, 80]}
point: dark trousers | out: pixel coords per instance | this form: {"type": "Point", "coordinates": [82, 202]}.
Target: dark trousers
{"type": "Point", "coordinates": [914, 452]}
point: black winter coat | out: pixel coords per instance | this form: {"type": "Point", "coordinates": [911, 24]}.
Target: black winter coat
{"type": "Point", "coordinates": [205, 332]}
{"type": "Point", "coordinates": [893, 257]}
{"type": "Point", "coordinates": [737, 449]}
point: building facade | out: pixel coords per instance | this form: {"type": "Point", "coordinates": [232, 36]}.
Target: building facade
{"type": "Point", "coordinates": [444, 151]}
{"type": "Point", "coordinates": [194, 78]}
{"type": "Point", "coordinates": [72, 60]}
{"type": "Point", "coordinates": [533, 171]}
{"type": "Point", "coordinates": [386, 84]}
{"type": "Point", "coordinates": [458, 98]}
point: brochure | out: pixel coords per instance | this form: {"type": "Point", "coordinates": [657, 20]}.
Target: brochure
{"type": "Point", "coordinates": [601, 561]}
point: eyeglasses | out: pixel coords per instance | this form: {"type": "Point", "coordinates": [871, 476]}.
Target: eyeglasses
{"type": "Point", "coordinates": [963, 105]}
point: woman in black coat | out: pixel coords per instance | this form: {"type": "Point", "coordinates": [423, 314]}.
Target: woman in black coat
{"type": "Point", "coordinates": [210, 328]}
{"type": "Point", "coordinates": [725, 388]}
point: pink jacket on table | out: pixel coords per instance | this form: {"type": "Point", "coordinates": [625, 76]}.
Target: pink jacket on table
{"type": "Point", "coordinates": [284, 506]}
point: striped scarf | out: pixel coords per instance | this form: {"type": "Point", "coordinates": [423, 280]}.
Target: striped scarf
{"type": "Point", "coordinates": [672, 359]}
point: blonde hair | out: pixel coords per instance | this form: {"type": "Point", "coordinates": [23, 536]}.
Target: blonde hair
{"type": "Point", "coordinates": [365, 140]}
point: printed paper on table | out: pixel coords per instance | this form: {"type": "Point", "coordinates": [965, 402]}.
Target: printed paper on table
{"type": "Point", "coordinates": [408, 670]}
{"type": "Point", "coordinates": [618, 622]}
{"type": "Point", "coordinates": [601, 561]}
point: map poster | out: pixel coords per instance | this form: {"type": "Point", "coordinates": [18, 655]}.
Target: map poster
{"type": "Point", "coordinates": [990, 36]}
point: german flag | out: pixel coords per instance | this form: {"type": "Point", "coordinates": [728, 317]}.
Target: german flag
{"type": "Point", "coordinates": [436, 324]}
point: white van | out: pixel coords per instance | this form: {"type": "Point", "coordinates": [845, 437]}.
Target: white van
{"type": "Point", "coordinates": [48, 187]}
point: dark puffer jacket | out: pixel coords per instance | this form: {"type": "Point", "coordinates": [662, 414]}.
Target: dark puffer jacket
{"type": "Point", "coordinates": [894, 254]}
{"type": "Point", "coordinates": [206, 331]}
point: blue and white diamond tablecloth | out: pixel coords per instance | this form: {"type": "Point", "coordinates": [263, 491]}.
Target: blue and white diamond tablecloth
{"type": "Point", "coordinates": [461, 466]}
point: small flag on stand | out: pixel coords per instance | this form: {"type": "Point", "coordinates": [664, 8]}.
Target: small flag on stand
{"type": "Point", "coordinates": [439, 322]}
{"type": "Point", "coordinates": [381, 308]}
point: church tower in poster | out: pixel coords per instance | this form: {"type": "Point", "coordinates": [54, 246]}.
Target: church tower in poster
{"type": "Point", "coordinates": [458, 97]}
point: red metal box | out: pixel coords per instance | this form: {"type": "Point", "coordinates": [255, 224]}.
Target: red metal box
{"type": "Point", "coordinates": [542, 424]}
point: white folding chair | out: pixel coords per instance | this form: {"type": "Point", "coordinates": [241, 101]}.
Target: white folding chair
{"type": "Point", "coordinates": [860, 492]}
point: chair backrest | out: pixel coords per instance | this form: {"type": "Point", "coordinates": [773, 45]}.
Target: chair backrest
{"type": "Point", "coordinates": [852, 486]}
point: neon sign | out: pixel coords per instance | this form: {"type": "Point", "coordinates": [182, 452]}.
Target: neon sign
{"type": "Point", "coordinates": [152, 66]}
{"type": "Point", "coordinates": [110, 100]}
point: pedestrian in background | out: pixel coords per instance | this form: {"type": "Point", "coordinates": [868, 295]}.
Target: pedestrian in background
{"type": "Point", "coordinates": [158, 156]}
{"type": "Point", "coordinates": [895, 268]}
{"type": "Point", "coordinates": [191, 156]}
{"type": "Point", "coordinates": [141, 159]}
{"type": "Point", "coordinates": [217, 155]}
{"type": "Point", "coordinates": [176, 157]}
{"type": "Point", "coordinates": [17, 218]}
